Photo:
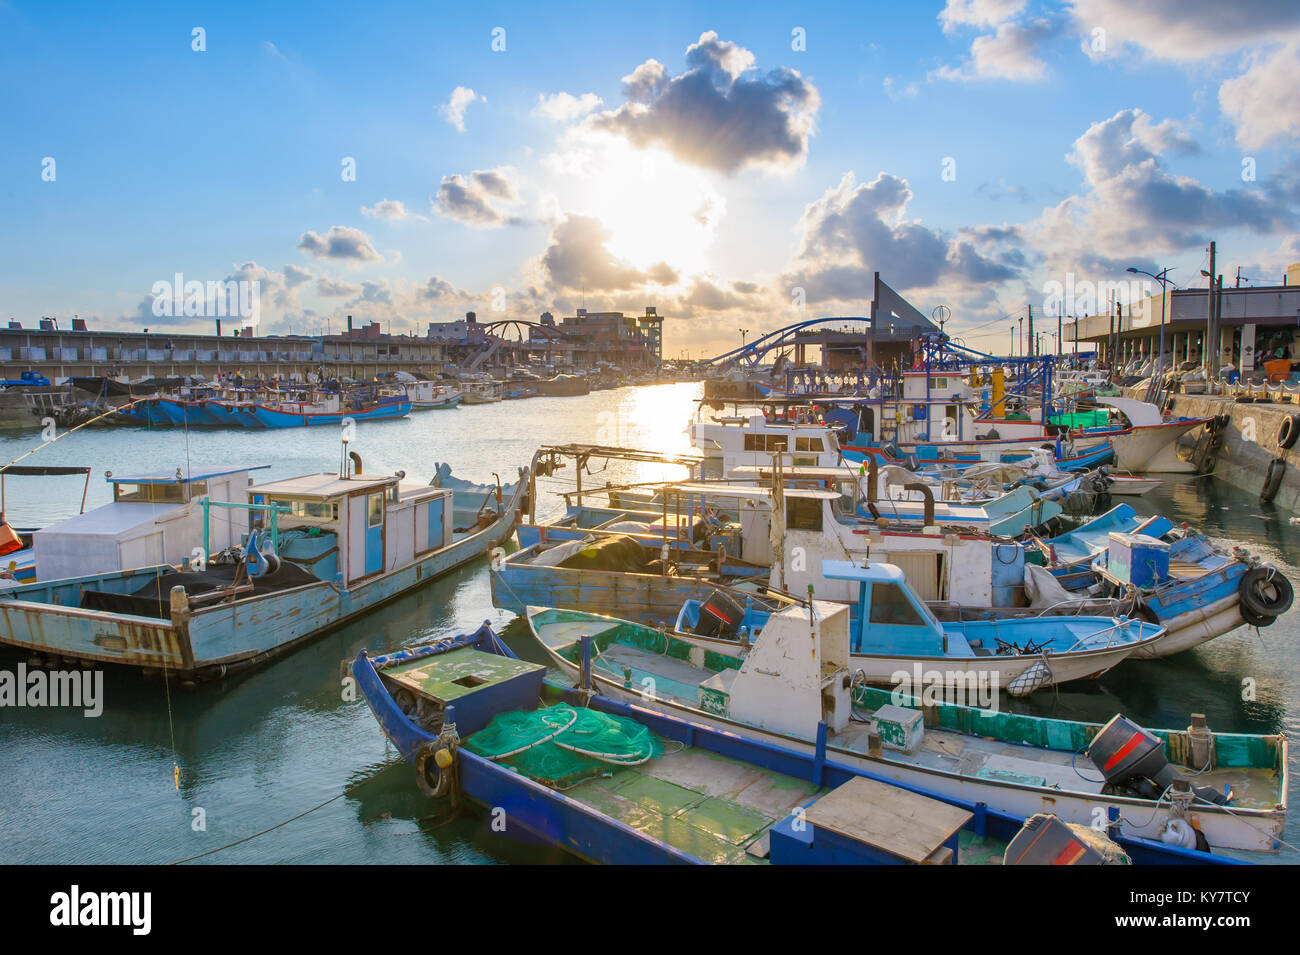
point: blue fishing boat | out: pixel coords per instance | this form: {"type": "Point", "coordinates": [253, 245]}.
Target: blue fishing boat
{"type": "Point", "coordinates": [614, 782]}
{"type": "Point", "coordinates": [357, 404]}
{"type": "Point", "coordinates": [1179, 578]}
{"type": "Point", "coordinates": [891, 629]}
{"type": "Point", "coordinates": [267, 566]}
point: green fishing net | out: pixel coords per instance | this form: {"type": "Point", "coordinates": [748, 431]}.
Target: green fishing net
{"type": "Point", "coordinates": [560, 745]}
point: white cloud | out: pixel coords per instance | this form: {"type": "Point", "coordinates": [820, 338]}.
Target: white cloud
{"type": "Point", "coordinates": [459, 101]}
{"type": "Point", "coordinates": [565, 107]}
{"type": "Point", "coordinates": [391, 209]}
{"type": "Point", "coordinates": [1263, 102]}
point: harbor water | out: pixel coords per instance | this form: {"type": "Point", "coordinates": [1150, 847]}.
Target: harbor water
{"type": "Point", "coordinates": [258, 751]}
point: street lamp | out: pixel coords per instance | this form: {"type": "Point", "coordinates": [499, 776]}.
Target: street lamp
{"type": "Point", "coordinates": [1164, 294]}
{"type": "Point", "coordinates": [743, 333]}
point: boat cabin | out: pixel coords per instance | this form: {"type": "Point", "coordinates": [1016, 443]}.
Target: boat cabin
{"type": "Point", "coordinates": [154, 518]}
{"type": "Point", "coordinates": [890, 618]}
{"type": "Point", "coordinates": [355, 527]}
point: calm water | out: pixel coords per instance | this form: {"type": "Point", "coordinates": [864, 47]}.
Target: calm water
{"type": "Point", "coordinates": [262, 749]}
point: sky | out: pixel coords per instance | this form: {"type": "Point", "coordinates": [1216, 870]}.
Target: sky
{"type": "Point", "coordinates": [734, 165]}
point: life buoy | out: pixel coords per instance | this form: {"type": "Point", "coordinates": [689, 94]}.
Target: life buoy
{"type": "Point", "coordinates": [1272, 480]}
{"type": "Point", "coordinates": [1288, 431]}
{"type": "Point", "coordinates": [1265, 592]}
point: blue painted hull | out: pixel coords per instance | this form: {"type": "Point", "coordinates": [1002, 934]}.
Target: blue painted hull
{"type": "Point", "coordinates": [557, 820]}
{"type": "Point", "coordinates": [271, 418]}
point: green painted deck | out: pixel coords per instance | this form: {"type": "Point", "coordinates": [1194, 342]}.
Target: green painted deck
{"type": "Point", "coordinates": [452, 675]}
{"type": "Point", "coordinates": [707, 805]}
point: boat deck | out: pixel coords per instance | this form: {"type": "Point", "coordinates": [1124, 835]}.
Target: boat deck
{"type": "Point", "coordinates": [942, 749]}
{"type": "Point", "coordinates": [991, 759]}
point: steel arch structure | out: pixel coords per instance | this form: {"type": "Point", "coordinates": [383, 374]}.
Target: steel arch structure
{"type": "Point", "coordinates": [754, 352]}
{"type": "Point", "coordinates": [524, 328]}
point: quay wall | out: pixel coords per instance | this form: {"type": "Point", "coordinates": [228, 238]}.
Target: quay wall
{"type": "Point", "coordinates": [1250, 442]}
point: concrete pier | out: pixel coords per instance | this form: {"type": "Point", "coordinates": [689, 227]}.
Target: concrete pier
{"type": "Point", "coordinates": [1250, 441]}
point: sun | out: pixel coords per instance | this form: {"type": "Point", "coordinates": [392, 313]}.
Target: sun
{"type": "Point", "coordinates": [656, 208]}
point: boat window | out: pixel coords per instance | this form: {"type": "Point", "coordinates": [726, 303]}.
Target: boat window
{"type": "Point", "coordinates": [803, 514]}
{"type": "Point", "coordinates": [158, 493]}
{"type": "Point", "coordinates": [808, 444]}
{"type": "Point", "coordinates": [890, 605]}
{"type": "Point", "coordinates": [375, 506]}
{"type": "Point", "coordinates": [310, 510]}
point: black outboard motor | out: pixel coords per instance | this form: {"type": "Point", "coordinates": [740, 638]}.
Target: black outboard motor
{"type": "Point", "coordinates": [720, 617]}
{"type": "Point", "coordinates": [1133, 763]}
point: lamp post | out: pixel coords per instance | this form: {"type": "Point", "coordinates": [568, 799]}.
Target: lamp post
{"type": "Point", "coordinates": [1164, 295]}
{"type": "Point", "coordinates": [743, 333]}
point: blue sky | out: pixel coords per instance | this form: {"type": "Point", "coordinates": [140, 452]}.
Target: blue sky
{"type": "Point", "coordinates": [722, 162]}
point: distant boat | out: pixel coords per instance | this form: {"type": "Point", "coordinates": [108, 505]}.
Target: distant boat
{"type": "Point", "coordinates": [431, 395]}
{"type": "Point", "coordinates": [481, 392]}
{"type": "Point", "coordinates": [563, 385]}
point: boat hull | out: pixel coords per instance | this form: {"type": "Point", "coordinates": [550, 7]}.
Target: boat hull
{"type": "Point", "coordinates": [216, 641]}
{"type": "Point", "coordinates": [1245, 829]}
{"type": "Point", "coordinates": [1153, 448]}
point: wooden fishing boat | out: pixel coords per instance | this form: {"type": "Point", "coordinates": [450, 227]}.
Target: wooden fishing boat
{"type": "Point", "coordinates": [798, 674]}
{"type": "Point", "coordinates": [320, 549]}
{"type": "Point", "coordinates": [621, 783]}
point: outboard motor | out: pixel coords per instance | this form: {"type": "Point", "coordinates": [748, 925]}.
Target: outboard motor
{"type": "Point", "coordinates": [720, 617]}
{"type": "Point", "coordinates": [1046, 840]}
{"type": "Point", "coordinates": [1133, 763]}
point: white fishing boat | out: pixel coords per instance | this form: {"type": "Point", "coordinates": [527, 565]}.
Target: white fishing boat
{"type": "Point", "coordinates": [1150, 442]}
{"type": "Point", "coordinates": [795, 688]}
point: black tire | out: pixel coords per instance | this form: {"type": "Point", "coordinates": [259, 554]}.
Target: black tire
{"type": "Point", "coordinates": [1272, 480]}
{"type": "Point", "coordinates": [1254, 619]}
{"type": "Point", "coordinates": [1288, 431]}
{"type": "Point", "coordinates": [432, 781]}
{"type": "Point", "coordinates": [1265, 592]}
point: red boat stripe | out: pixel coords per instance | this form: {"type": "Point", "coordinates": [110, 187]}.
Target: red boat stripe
{"type": "Point", "coordinates": [1123, 751]}
{"type": "Point", "coordinates": [1069, 854]}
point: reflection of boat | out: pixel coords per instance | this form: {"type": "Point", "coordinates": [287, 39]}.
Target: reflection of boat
{"type": "Point", "coordinates": [477, 722]}
{"type": "Point", "coordinates": [321, 549]}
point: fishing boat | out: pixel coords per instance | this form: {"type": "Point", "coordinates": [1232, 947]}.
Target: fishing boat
{"type": "Point", "coordinates": [796, 683]}
{"type": "Point", "coordinates": [1150, 442]}
{"type": "Point", "coordinates": [480, 392]}
{"type": "Point", "coordinates": [893, 631]}
{"type": "Point", "coordinates": [1181, 579]}
{"type": "Point", "coordinates": [613, 782]}
{"type": "Point", "coordinates": [563, 385]}
{"type": "Point", "coordinates": [287, 561]}
{"type": "Point", "coordinates": [360, 403]}
{"type": "Point", "coordinates": [428, 395]}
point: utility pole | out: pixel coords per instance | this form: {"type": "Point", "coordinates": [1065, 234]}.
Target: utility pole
{"type": "Point", "coordinates": [1209, 320]}
{"type": "Point", "coordinates": [1031, 330]}
{"type": "Point", "coordinates": [1060, 326]}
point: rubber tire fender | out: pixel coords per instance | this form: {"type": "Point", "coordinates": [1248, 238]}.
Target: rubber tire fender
{"type": "Point", "coordinates": [433, 782]}
{"type": "Point", "coordinates": [1272, 480]}
{"type": "Point", "coordinates": [1288, 431]}
{"type": "Point", "coordinates": [1259, 605]}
